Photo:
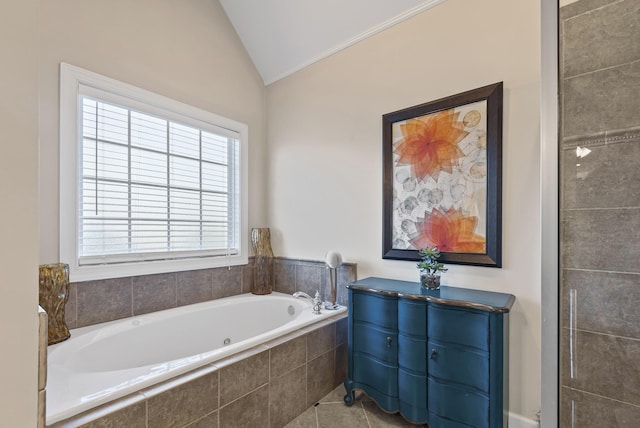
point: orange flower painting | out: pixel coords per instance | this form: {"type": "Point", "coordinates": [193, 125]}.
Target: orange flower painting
{"type": "Point", "coordinates": [430, 144]}
{"type": "Point", "coordinates": [442, 178]}
{"type": "Point", "coordinates": [450, 231]}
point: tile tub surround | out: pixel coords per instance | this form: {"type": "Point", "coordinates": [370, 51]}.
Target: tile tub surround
{"type": "Point", "coordinates": [600, 214]}
{"type": "Point", "coordinates": [94, 302]}
{"type": "Point", "coordinates": [266, 386]}
{"type": "Point", "coordinates": [293, 275]}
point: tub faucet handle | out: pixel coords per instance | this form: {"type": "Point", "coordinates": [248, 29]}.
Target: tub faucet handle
{"type": "Point", "coordinates": [317, 303]}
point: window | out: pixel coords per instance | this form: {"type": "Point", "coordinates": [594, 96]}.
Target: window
{"type": "Point", "coordinates": [147, 184]}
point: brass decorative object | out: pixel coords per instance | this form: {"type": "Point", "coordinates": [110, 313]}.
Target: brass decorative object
{"type": "Point", "coordinates": [54, 293]}
{"type": "Point", "coordinates": [263, 261]}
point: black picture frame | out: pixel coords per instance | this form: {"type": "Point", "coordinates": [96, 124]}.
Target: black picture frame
{"type": "Point", "coordinates": [490, 96]}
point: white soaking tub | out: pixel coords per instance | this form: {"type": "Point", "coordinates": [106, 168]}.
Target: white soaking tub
{"type": "Point", "coordinates": [102, 362]}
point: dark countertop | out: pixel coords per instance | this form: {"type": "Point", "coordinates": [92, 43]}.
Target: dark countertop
{"type": "Point", "coordinates": [454, 296]}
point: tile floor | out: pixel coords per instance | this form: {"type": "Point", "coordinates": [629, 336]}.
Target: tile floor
{"type": "Point", "coordinates": [331, 412]}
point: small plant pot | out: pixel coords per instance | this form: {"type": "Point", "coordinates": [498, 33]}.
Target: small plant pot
{"type": "Point", "coordinates": [431, 282]}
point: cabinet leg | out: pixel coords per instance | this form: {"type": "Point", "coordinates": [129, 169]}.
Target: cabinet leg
{"type": "Point", "coordinates": [350, 397]}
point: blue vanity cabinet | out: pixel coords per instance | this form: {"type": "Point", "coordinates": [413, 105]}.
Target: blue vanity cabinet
{"type": "Point", "coordinates": [436, 356]}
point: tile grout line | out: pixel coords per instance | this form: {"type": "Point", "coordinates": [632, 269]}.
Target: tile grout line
{"type": "Point", "coordinates": [578, 269]}
{"type": "Point", "coordinates": [617, 336]}
{"type": "Point", "coordinates": [366, 418]}
{"type": "Point", "coordinates": [600, 396]}
{"type": "Point", "coordinates": [610, 67]}
{"type": "Point", "coordinates": [591, 10]}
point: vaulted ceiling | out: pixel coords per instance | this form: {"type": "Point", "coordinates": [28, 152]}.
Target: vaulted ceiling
{"type": "Point", "coordinates": [284, 36]}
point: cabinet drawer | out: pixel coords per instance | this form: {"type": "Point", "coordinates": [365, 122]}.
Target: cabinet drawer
{"type": "Point", "coordinates": [412, 354]}
{"type": "Point", "coordinates": [412, 390]}
{"type": "Point", "coordinates": [436, 421]}
{"type": "Point", "coordinates": [460, 365]}
{"type": "Point", "coordinates": [375, 309]}
{"type": "Point", "coordinates": [378, 343]}
{"type": "Point", "coordinates": [379, 376]}
{"type": "Point", "coordinates": [459, 326]}
{"type": "Point", "coordinates": [412, 317]}
{"type": "Point", "coordinates": [458, 403]}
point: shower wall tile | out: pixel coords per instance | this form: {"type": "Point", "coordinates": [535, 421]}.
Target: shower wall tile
{"type": "Point", "coordinates": [601, 101]}
{"type": "Point", "coordinates": [246, 375]}
{"type": "Point", "coordinates": [583, 6]}
{"type": "Point", "coordinates": [153, 293]}
{"type": "Point", "coordinates": [227, 282]}
{"type": "Point", "coordinates": [601, 364]}
{"type": "Point", "coordinates": [320, 377]}
{"type": "Point", "coordinates": [70, 314]}
{"type": "Point", "coordinates": [288, 356]}
{"type": "Point", "coordinates": [185, 403]}
{"type": "Point", "coordinates": [284, 272]}
{"type": "Point", "coordinates": [580, 409]}
{"type": "Point", "coordinates": [250, 411]}
{"type": "Point", "coordinates": [194, 286]}
{"type": "Point", "coordinates": [602, 302]}
{"type": "Point", "coordinates": [609, 31]}
{"type": "Point", "coordinates": [601, 239]}
{"type": "Point", "coordinates": [287, 396]}
{"type": "Point", "coordinates": [103, 300]}
{"type": "Point", "coordinates": [600, 214]}
{"type": "Point", "coordinates": [606, 177]}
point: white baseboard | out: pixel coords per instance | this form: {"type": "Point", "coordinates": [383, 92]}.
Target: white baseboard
{"type": "Point", "coordinates": [519, 421]}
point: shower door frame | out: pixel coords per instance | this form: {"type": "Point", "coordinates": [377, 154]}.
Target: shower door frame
{"type": "Point", "coordinates": [549, 194]}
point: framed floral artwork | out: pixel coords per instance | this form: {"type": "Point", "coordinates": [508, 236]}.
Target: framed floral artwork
{"type": "Point", "coordinates": [442, 179]}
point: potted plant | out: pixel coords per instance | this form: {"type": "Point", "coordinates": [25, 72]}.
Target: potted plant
{"type": "Point", "coordinates": [430, 267]}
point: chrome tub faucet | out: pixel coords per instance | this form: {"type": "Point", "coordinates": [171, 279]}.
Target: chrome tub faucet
{"type": "Point", "coordinates": [317, 301]}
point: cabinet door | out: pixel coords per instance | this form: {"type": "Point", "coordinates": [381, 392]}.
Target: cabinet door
{"type": "Point", "coordinates": [374, 309]}
{"type": "Point", "coordinates": [378, 379]}
{"type": "Point", "coordinates": [459, 326]}
{"type": "Point", "coordinates": [458, 403]}
{"type": "Point", "coordinates": [375, 342]}
{"type": "Point", "coordinates": [463, 365]}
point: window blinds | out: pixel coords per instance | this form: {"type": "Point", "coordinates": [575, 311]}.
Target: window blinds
{"type": "Point", "coordinates": [152, 186]}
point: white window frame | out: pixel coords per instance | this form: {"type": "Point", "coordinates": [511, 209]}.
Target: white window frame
{"type": "Point", "coordinates": [71, 80]}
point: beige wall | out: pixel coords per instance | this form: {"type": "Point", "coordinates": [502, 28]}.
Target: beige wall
{"type": "Point", "coordinates": [18, 215]}
{"type": "Point", "coordinates": [325, 152]}
{"type": "Point", "coordinates": [185, 50]}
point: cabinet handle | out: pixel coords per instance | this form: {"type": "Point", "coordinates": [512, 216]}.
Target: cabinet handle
{"type": "Point", "coordinates": [389, 340]}
{"type": "Point", "coordinates": [434, 354]}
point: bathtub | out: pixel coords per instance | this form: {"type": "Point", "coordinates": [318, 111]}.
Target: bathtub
{"type": "Point", "coordinates": [102, 362]}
